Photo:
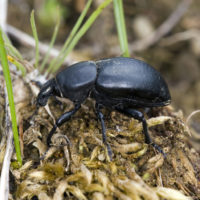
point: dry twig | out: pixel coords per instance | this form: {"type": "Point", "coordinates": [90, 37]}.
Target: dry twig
{"type": "Point", "coordinates": [161, 31]}
{"type": "Point", "coordinates": [164, 28]}
{"type": "Point", "coordinates": [4, 184]}
{"type": "Point", "coordinates": [178, 37]}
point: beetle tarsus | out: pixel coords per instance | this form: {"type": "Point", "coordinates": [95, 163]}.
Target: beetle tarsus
{"type": "Point", "coordinates": [104, 137]}
{"type": "Point", "coordinates": [159, 149]}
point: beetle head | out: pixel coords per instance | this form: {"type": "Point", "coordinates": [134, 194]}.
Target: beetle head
{"type": "Point", "coordinates": [42, 99]}
{"type": "Point", "coordinates": [48, 89]}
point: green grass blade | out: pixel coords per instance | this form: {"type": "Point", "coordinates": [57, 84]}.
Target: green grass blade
{"type": "Point", "coordinates": [72, 33]}
{"type": "Point", "coordinates": [13, 51]}
{"type": "Point", "coordinates": [6, 72]}
{"type": "Point", "coordinates": [35, 35]}
{"type": "Point", "coordinates": [77, 25]}
{"type": "Point", "coordinates": [44, 62]}
{"type": "Point", "coordinates": [10, 48]}
{"type": "Point", "coordinates": [14, 55]}
{"type": "Point", "coordinates": [81, 32]}
{"type": "Point", "coordinates": [17, 64]}
{"type": "Point", "coordinates": [121, 27]}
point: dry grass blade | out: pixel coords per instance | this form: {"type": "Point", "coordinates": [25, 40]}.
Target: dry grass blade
{"type": "Point", "coordinates": [170, 194]}
{"type": "Point", "coordinates": [4, 183]}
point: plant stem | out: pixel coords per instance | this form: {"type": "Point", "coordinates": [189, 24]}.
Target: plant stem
{"type": "Point", "coordinates": [6, 72]}
{"type": "Point", "coordinates": [35, 35]}
{"type": "Point", "coordinates": [50, 46]}
{"type": "Point", "coordinates": [71, 35]}
{"type": "Point", "coordinates": [121, 27]}
{"type": "Point", "coordinates": [82, 31]}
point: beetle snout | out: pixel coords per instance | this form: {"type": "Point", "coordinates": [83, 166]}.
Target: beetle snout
{"type": "Point", "coordinates": [41, 100]}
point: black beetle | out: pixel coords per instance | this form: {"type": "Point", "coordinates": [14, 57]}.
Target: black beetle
{"type": "Point", "coordinates": [122, 84]}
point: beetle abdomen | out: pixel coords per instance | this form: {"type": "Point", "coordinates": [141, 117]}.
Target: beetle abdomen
{"type": "Point", "coordinates": [76, 81]}
{"type": "Point", "coordinates": [130, 78]}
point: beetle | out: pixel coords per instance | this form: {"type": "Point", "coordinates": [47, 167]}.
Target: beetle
{"type": "Point", "coordinates": [122, 84]}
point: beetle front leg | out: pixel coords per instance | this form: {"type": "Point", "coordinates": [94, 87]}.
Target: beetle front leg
{"type": "Point", "coordinates": [140, 117]}
{"type": "Point", "coordinates": [62, 119]}
{"type": "Point", "coordinates": [104, 137]}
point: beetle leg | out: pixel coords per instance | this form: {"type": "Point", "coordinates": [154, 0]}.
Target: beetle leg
{"type": "Point", "coordinates": [104, 137]}
{"type": "Point", "coordinates": [62, 119]}
{"type": "Point", "coordinates": [140, 117]}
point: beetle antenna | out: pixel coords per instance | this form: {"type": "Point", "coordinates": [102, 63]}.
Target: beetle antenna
{"type": "Point", "coordinates": [35, 112]}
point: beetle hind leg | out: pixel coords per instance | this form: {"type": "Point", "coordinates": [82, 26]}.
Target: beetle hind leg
{"type": "Point", "coordinates": [104, 137]}
{"type": "Point", "coordinates": [140, 117]}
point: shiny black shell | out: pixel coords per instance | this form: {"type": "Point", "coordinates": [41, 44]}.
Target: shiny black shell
{"type": "Point", "coordinates": [114, 81]}
{"type": "Point", "coordinates": [127, 78]}
{"type": "Point", "coordinates": [75, 82]}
